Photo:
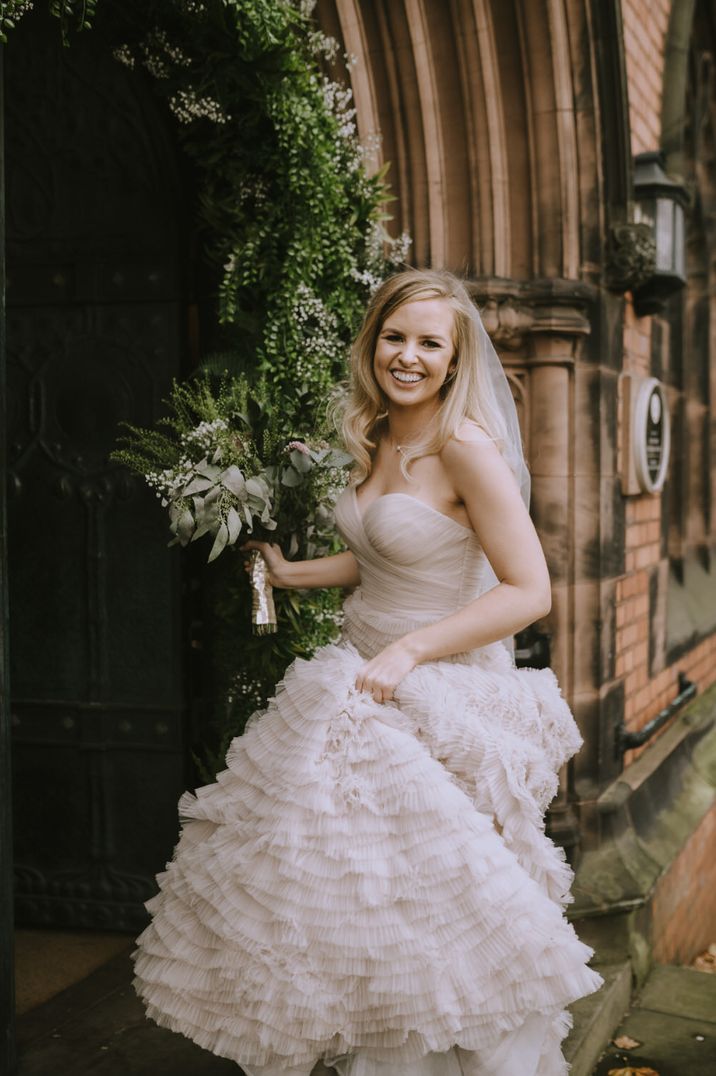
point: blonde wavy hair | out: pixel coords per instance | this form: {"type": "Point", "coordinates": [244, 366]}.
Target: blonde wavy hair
{"type": "Point", "coordinates": [467, 394]}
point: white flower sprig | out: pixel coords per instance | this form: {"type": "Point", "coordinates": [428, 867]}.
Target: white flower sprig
{"type": "Point", "coordinates": [188, 106]}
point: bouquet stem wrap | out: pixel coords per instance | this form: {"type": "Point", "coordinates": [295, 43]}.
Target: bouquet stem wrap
{"type": "Point", "coordinates": [263, 612]}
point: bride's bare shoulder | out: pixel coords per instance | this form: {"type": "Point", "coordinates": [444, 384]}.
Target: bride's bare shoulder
{"type": "Point", "coordinates": [472, 459]}
{"type": "Point", "coordinates": [471, 432]}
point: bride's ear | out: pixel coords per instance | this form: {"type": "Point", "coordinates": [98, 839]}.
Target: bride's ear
{"type": "Point", "coordinates": [452, 370]}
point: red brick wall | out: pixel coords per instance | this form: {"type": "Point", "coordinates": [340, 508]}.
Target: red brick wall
{"type": "Point", "coordinates": [645, 26]}
{"type": "Point", "coordinates": [645, 695]}
{"type": "Point", "coordinates": [684, 904]}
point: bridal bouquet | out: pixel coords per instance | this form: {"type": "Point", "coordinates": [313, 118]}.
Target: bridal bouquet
{"type": "Point", "coordinates": [222, 469]}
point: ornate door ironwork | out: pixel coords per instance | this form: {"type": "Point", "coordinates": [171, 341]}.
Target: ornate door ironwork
{"type": "Point", "coordinates": [93, 337]}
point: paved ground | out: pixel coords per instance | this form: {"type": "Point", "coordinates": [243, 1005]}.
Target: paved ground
{"type": "Point", "coordinates": [674, 1020]}
{"type": "Point", "coordinates": [48, 961]}
{"type": "Point", "coordinates": [98, 1026]}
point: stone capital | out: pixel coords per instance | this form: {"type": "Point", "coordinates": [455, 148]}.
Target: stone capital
{"type": "Point", "coordinates": [513, 311]}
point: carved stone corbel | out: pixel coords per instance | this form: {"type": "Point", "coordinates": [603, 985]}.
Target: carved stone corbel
{"type": "Point", "coordinates": [507, 322]}
{"type": "Point", "coordinates": [631, 256]}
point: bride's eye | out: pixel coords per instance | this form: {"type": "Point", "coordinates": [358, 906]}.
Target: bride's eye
{"type": "Point", "coordinates": [431, 343]}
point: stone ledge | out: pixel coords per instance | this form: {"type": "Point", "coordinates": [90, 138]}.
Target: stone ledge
{"type": "Point", "coordinates": [648, 814]}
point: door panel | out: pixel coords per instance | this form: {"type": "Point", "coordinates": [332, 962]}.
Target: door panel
{"type": "Point", "coordinates": [95, 316]}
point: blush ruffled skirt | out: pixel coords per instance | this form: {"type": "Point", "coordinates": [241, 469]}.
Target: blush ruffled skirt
{"type": "Point", "coordinates": [371, 885]}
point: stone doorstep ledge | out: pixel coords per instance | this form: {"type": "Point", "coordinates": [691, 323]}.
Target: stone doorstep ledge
{"type": "Point", "coordinates": [648, 814]}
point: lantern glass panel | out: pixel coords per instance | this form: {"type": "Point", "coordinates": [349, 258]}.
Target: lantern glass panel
{"type": "Point", "coordinates": [679, 241]}
{"type": "Point", "coordinates": [664, 234]}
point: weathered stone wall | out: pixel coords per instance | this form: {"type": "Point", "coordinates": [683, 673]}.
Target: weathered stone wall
{"type": "Point", "coordinates": [684, 909]}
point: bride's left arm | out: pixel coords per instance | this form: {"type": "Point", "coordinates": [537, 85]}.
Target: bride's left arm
{"type": "Point", "coordinates": [483, 481]}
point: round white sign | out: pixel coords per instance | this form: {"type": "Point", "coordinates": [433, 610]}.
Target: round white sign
{"type": "Point", "coordinates": [651, 435]}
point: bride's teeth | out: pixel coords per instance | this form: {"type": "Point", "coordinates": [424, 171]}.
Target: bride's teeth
{"type": "Point", "coordinates": [405, 377]}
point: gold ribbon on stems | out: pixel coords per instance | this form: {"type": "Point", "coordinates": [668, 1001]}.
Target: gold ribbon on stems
{"type": "Point", "coordinates": [263, 612]}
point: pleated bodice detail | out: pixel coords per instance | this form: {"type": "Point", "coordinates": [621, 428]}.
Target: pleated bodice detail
{"type": "Point", "coordinates": [417, 565]}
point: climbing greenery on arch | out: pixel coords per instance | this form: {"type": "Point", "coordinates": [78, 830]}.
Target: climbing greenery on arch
{"type": "Point", "coordinates": [291, 221]}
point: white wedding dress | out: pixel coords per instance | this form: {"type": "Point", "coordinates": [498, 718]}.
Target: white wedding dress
{"type": "Point", "coordinates": [371, 884]}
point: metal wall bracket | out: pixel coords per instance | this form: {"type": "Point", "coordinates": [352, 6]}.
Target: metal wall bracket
{"type": "Point", "coordinates": [626, 741]}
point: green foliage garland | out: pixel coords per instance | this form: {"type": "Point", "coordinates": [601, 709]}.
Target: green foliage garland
{"type": "Point", "coordinates": [293, 224]}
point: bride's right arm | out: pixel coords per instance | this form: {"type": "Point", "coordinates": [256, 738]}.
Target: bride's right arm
{"type": "Point", "coordinates": [340, 570]}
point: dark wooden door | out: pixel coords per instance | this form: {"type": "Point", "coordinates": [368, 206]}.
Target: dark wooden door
{"type": "Point", "coordinates": [94, 335]}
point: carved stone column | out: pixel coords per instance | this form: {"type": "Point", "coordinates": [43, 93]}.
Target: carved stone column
{"type": "Point", "coordinates": [543, 329]}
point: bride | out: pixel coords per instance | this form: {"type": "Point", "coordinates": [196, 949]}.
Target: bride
{"type": "Point", "coordinates": [368, 884]}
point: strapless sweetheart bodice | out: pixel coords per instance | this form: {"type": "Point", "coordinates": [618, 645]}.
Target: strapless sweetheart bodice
{"type": "Point", "coordinates": [413, 559]}
{"type": "Point", "coordinates": [416, 566]}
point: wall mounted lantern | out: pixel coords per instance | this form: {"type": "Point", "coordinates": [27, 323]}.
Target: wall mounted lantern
{"type": "Point", "coordinates": [659, 204]}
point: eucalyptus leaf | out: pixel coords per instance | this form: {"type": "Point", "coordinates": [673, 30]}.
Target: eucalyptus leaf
{"type": "Point", "coordinates": [233, 480]}
{"type": "Point", "coordinates": [197, 485]}
{"type": "Point", "coordinates": [185, 526]}
{"type": "Point", "coordinates": [222, 537]}
{"type": "Point", "coordinates": [256, 486]}
{"type": "Point", "coordinates": [208, 470]}
{"type": "Point", "coordinates": [338, 458]}
{"type": "Point", "coordinates": [291, 478]}
{"type": "Point", "coordinates": [301, 461]}
{"type": "Point", "coordinates": [233, 522]}
{"type": "Point", "coordinates": [201, 530]}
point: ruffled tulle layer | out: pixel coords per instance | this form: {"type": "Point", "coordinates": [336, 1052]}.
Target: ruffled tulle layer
{"type": "Point", "coordinates": [342, 889]}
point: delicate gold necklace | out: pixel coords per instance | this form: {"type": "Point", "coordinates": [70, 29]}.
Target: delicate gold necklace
{"type": "Point", "coordinates": [405, 445]}
{"type": "Point", "coordinates": [401, 448]}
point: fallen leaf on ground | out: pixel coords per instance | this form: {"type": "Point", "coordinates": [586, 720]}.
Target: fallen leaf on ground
{"type": "Point", "coordinates": [706, 961]}
{"type": "Point", "coordinates": [625, 1042]}
{"type": "Point", "coordinates": [632, 1072]}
